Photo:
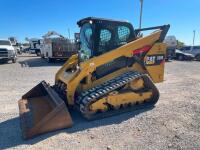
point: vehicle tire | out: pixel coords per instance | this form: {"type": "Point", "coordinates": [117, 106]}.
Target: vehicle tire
{"type": "Point", "coordinates": [19, 52]}
{"type": "Point", "coordinates": [180, 58]}
{"type": "Point", "coordinates": [42, 56]}
{"type": "Point", "coordinates": [14, 60]}
{"type": "Point", "coordinates": [197, 57]}
{"type": "Point", "coordinates": [50, 60]}
{"type": "Point", "coordinates": [38, 53]}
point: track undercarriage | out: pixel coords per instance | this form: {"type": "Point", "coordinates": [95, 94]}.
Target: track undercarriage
{"type": "Point", "coordinates": [128, 92]}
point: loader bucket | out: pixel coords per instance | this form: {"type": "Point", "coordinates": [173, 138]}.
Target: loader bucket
{"type": "Point", "coordinates": [42, 110]}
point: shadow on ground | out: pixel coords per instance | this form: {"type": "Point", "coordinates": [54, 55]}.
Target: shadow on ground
{"type": "Point", "coordinates": [5, 63]}
{"type": "Point", "coordinates": [27, 55]}
{"type": "Point", "coordinates": [39, 62]}
{"type": "Point", "coordinates": [10, 132]}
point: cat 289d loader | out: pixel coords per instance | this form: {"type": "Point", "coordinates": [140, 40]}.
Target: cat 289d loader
{"type": "Point", "coordinates": [114, 72]}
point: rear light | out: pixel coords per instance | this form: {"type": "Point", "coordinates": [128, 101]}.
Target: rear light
{"type": "Point", "coordinates": [141, 50]}
{"type": "Point", "coordinates": [162, 62]}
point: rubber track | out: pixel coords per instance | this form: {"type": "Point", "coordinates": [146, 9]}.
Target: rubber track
{"type": "Point", "coordinates": [92, 95]}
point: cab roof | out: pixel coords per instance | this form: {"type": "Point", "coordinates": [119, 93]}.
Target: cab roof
{"type": "Point", "coordinates": [94, 19]}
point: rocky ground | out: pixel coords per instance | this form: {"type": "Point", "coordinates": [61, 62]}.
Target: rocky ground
{"type": "Point", "coordinates": [173, 124]}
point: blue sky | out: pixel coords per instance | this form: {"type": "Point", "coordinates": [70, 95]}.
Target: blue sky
{"type": "Point", "coordinates": [33, 18]}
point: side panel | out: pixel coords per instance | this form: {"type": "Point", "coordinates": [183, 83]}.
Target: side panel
{"type": "Point", "coordinates": [155, 61]}
{"type": "Point", "coordinates": [89, 66]}
{"type": "Point", "coordinates": [48, 49]}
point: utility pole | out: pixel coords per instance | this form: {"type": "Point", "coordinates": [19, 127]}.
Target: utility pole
{"type": "Point", "coordinates": [69, 33]}
{"type": "Point", "coordinates": [141, 11]}
{"type": "Point", "coordinates": [69, 40]}
{"type": "Point", "coordinates": [194, 34]}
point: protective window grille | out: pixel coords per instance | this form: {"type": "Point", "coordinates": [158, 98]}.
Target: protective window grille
{"type": "Point", "coordinates": [123, 33]}
{"type": "Point", "coordinates": [105, 37]}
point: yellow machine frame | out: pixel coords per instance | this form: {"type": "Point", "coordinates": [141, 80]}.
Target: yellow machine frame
{"type": "Point", "coordinates": [72, 80]}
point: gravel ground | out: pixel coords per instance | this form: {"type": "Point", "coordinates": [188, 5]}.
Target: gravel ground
{"type": "Point", "coordinates": [173, 124]}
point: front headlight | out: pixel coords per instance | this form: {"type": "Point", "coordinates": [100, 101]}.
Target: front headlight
{"type": "Point", "coordinates": [10, 52]}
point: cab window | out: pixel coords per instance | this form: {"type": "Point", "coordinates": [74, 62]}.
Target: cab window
{"type": "Point", "coordinates": [105, 38]}
{"type": "Point", "coordinates": [123, 34]}
{"type": "Point", "coordinates": [86, 42]}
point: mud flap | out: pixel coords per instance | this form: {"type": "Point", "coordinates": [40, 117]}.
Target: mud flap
{"type": "Point", "coordinates": [42, 110]}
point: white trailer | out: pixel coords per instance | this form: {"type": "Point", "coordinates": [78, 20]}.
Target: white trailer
{"type": "Point", "coordinates": [56, 46]}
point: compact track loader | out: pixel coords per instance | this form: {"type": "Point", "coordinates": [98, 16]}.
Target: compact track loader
{"type": "Point", "coordinates": [114, 72]}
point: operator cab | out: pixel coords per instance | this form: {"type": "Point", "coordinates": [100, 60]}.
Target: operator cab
{"type": "Point", "coordinates": [98, 36]}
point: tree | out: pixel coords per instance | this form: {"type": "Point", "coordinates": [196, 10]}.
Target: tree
{"type": "Point", "coordinates": [180, 44]}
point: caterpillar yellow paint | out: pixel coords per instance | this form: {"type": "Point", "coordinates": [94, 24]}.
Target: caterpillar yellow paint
{"type": "Point", "coordinates": [114, 72]}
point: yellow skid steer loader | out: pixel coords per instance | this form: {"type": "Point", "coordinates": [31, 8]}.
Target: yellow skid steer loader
{"type": "Point", "coordinates": [114, 72]}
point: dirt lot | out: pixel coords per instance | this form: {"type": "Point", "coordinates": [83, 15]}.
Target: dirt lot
{"type": "Point", "coordinates": [173, 124]}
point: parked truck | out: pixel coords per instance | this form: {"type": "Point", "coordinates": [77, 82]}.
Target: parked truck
{"type": "Point", "coordinates": [15, 44]}
{"type": "Point", "coordinates": [35, 46]}
{"type": "Point", "coordinates": [171, 42]}
{"type": "Point", "coordinates": [7, 51]}
{"type": "Point", "coordinates": [55, 46]}
{"type": "Point", "coordinates": [194, 50]}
